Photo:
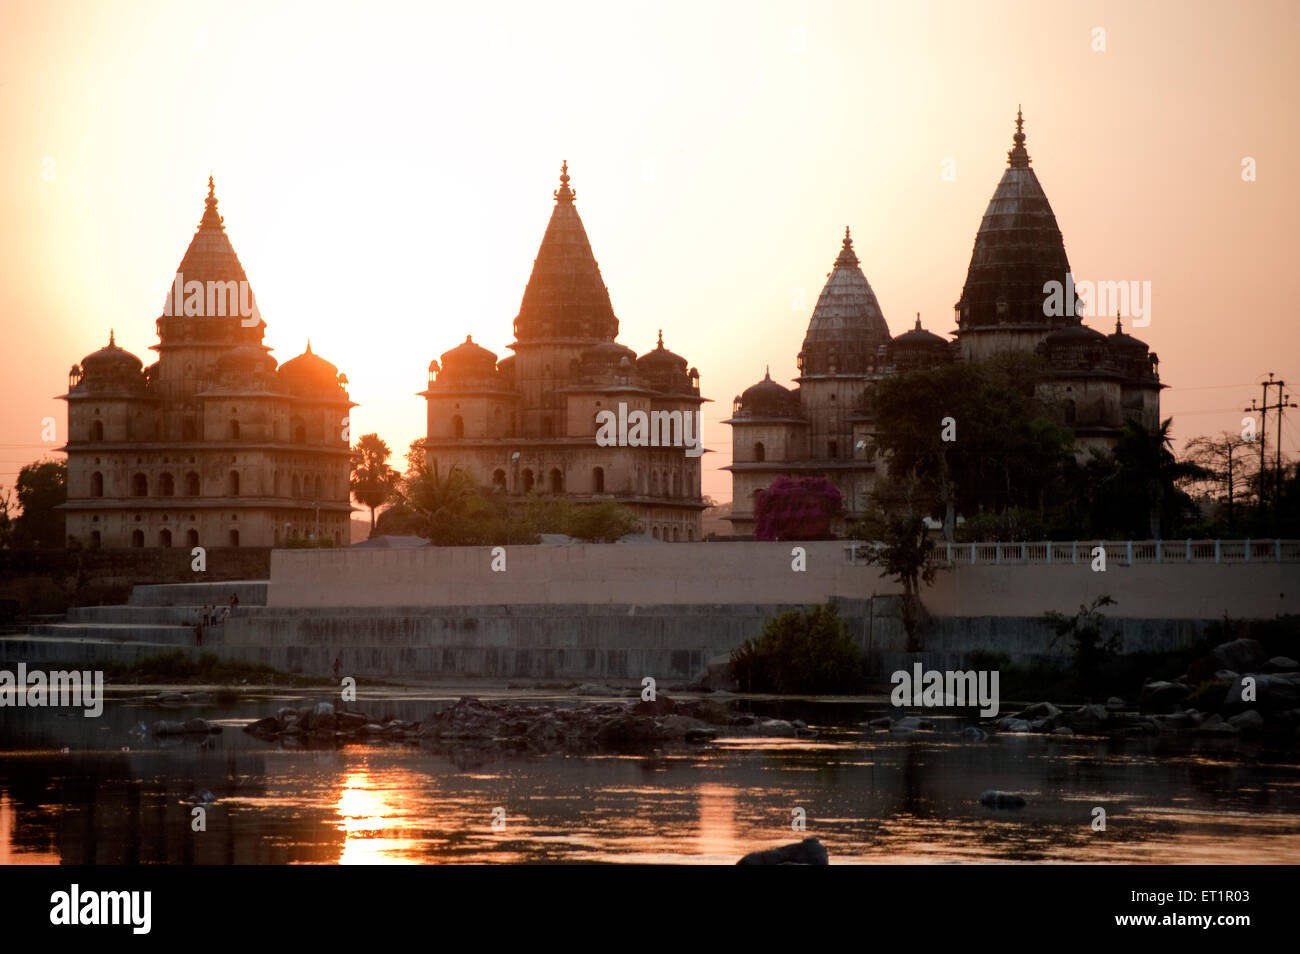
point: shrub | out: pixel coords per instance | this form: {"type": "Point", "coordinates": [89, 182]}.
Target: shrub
{"type": "Point", "coordinates": [801, 652]}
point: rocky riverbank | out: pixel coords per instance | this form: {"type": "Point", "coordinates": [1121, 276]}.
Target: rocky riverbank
{"type": "Point", "coordinates": [599, 725]}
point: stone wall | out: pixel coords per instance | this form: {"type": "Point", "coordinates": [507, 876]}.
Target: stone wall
{"type": "Point", "coordinates": [761, 573]}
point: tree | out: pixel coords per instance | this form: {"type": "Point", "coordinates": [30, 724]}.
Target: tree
{"type": "Point", "coordinates": [796, 509]}
{"type": "Point", "coordinates": [1092, 641]}
{"type": "Point", "coordinates": [6, 522]}
{"type": "Point", "coordinates": [372, 481]}
{"type": "Point", "coordinates": [1228, 463]}
{"type": "Point", "coordinates": [902, 546]}
{"type": "Point", "coordinates": [973, 437]}
{"type": "Point", "coordinates": [603, 522]}
{"type": "Point", "coordinates": [1137, 484]}
{"type": "Point", "coordinates": [41, 488]}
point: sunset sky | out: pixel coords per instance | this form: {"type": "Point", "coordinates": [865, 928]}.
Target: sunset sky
{"type": "Point", "coordinates": [386, 171]}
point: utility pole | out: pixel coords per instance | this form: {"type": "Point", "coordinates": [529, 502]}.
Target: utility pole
{"type": "Point", "coordinates": [1282, 403]}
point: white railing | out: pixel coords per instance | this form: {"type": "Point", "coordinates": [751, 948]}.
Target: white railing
{"type": "Point", "coordinates": [1118, 552]}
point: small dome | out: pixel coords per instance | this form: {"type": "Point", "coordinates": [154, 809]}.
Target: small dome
{"type": "Point", "coordinates": [469, 354]}
{"type": "Point", "coordinates": [661, 359]}
{"type": "Point", "coordinates": [111, 359]}
{"type": "Point", "coordinates": [1073, 335]}
{"type": "Point", "coordinates": [310, 371]}
{"type": "Point", "coordinates": [246, 358]}
{"type": "Point", "coordinates": [607, 354]}
{"type": "Point", "coordinates": [768, 399]}
{"type": "Point", "coordinates": [1123, 342]}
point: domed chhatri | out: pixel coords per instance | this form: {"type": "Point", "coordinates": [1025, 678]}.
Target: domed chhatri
{"type": "Point", "coordinates": [529, 422]}
{"type": "Point", "coordinates": [213, 444]}
{"type": "Point", "coordinates": [826, 426]}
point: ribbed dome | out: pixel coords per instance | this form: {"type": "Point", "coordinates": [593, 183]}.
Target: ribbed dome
{"type": "Point", "coordinates": [919, 348]}
{"type": "Point", "coordinates": [768, 399]}
{"type": "Point", "coordinates": [1018, 249]}
{"type": "Point", "coordinates": [565, 296]}
{"type": "Point", "coordinates": [210, 258]}
{"type": "Point", "coordinates": [918, 337]}
{"type": "Point", "coordinates": [661, 359]}
{"type": "Point", "coordinates": [847, 326]}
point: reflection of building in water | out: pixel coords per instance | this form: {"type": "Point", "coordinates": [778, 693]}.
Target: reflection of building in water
{"type": "Point", "coordinates": [528, 422]}
{"type": "Point", "coordinates": [212, 444]}
{"type": "Point", "coordinates": [824, 426]}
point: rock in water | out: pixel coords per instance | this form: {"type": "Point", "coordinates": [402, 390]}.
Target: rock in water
{"type": "Point", "coordinates": [810, 851]}
{"type": "Point", "coordinates": [995, 799]}
{"type": "Point", "coordinates": [974, 734]}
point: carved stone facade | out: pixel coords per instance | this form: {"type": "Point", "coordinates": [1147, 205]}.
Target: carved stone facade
{"type": "Point", "coordinates": [212, 444]}
{"type": "Point", "coordinates": [823, 427]}
{"type": "Point", "coordinates": [528, 422]}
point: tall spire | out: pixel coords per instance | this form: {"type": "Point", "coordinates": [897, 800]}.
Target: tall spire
{"type": "Point", "coordinates": [1018, 157]}
{"type": "Point", "coordinates": [564, 194]}
{"type": "Point", "coordinates": [211, 220]}
{"type": "Point", "coordinates": [847, 256]}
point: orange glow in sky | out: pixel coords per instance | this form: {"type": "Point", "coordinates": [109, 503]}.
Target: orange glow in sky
{"type": "Point", "coordinates": [385, 171]}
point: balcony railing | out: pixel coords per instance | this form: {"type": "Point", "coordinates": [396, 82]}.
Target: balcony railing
{"type": "Point", "coordinates": [1118, 552]}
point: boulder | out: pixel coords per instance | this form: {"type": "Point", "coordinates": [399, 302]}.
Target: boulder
{"type": "Point", "coordinates": [1240, 655]}
{"type": "Point", "coordinates": [1161, 696]}
{"type": "Point", "coordinates": [1062, 730]}
{"type": "Point", "coordinates": [973, 733]}
{"type": "Point", "coordinates": [171, 698]}
{"type": "Point", "coordinates": [700, 735]}
{"type": "Point", "coordinates": [884, 722]}
{"type": "Point", "coordinates": [995, 799]}
{"type": "Point", "coordinates": [167, 727]}
{"type": "Point", "coordinates": [1091, 716]}
{"type": "Point", "coordinates": [1282, 664]}
{"type": "Point", "coordinates": [200, 726]}
{"type": "Point", "coordinates": [1039, 710]}
{"type": "Point", "coordinates": [1273, 692]}
{"type": "Point", "coordinates": [1012, 724]}
{"type": "Point", "coordinates": [810, 851]}
{"type": "Point", "coordinates": [1115, 703]}
{"type": "Point", "coordinates": [661, 705]}
{"type": "Point", "coordinates": [1216, 729]}
{"type": "Point", "coordinates": [264, 727]}
{"type": "Point", "coordinates": [1249, 722]}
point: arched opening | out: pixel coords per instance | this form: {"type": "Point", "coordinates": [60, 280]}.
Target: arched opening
{"type": "Point", "coordinates": [137, 538]}
{"type": "Point", "coordinates": [139, 486]}
{"type": "Point", "coordinates": [164, 537]}
{"type": "Point", "coordinates": [674, 534]}
{"type": "Point", "coordinates": [96, 430]}
{"type": "Point", "coordinates": [234, 430]}
{"type": "Point", "coordinates": [94, 539]}
{"type": "Point", "coordinates": [166, 485]}
{"type": "Point", "coordinates": [557, 481]}
{"type": "Point", "coordinates": [499, 480]}
{"type": "Point", "coordinates": [832, 449]}
{"type": "Point", "coordinates": [295, 487]}
{"type": "Point", "coordinates": [96, 484]}
{"type": "Point", "coordinates": [654, 483]}
{"type": "Point", "coordinates": [234, 538]}
{"type": "Point", "coordinates": [1070, 412]}
{"type": "Point", "coordinates": [655, 533]}
{"type": "Point", "coordinates": [760, 452]}
{"type": "Point", "coordinates": [232, 483]}
{"type": "Point", "coordinates": [598, 480]}
{"type": "Point", "coordinates": [191, 538]}
{"type": "Point", "coordinates": [677, 484]}
{"type": "Point", "coordinates": [457, 426]}
{"type": "Point", "coordinates": [299, 428]}
{"type": "Point", "coordinates": [528, 480]}
{"type": "Point", "coordinates": [315, 487]}
{"type": "Point", "coordinates": [191, 484]}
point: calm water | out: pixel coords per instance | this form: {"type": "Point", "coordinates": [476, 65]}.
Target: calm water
{"type": "Point", "coordinates": [113, 797]}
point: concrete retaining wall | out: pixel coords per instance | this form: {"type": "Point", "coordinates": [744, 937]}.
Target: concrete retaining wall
{"type": "Point", "coordinates": [760, 573]}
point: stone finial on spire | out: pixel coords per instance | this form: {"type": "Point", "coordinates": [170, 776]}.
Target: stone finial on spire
{"type": "Point", "coordinates": [847, 256]}
{"type": "Point", "coordinates": [308, 351]}
{"type": "Point", "coordinates": [918, 322]}
{"type": "Point", "coordinates": [1119, 328]}
{"type": "Point", "coordinates": [211, 220]}
{"type": "Point", "coordinates": [111, 342]}
{"type": "Point", "coordinates": [1018, 157]}
{"type": "Point", "coordinates": [564, 194]}
{"type": "Point", "coordinates": [661, 339]}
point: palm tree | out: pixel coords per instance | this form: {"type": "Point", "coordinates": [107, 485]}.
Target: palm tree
{"type": "Point", "coordinates": [1149, 472]}
{"type": "Point", "coordinates": [373, 481]}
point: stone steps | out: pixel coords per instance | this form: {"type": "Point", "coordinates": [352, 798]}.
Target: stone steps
{"type": "Point", "coordinates": [44, 652]}
{"type": "Point", "coordinates": [155, 633]}
{"type": "Point", "coordinates": [251, 593]}
{"type": "Point", "coordinates": [132, 615]}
